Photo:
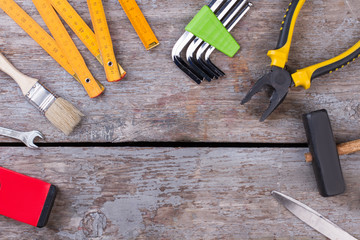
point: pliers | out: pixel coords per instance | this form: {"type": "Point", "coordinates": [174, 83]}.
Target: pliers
{"type": "Point", "coordinates": [279, 80]}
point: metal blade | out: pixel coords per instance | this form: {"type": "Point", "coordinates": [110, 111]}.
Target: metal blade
{"type": "Point", "coordinates": [312, 218]}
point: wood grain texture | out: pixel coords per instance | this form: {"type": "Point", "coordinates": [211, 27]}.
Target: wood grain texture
{"type": "Point", "coordinates": [157, 102]}
{"type": "Point", "coordinates": [185, 193]}
{"type": "Point", "coordinates": [178, 193]}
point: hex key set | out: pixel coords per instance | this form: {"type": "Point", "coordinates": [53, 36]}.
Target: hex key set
{"type": "Point", "coordinates": [197, 64]}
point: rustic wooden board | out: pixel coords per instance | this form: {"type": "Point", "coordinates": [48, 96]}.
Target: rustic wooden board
{"type": "Point", "coordinates": [178, 193]}
{"type": "Point", "coordinates": [185, 193]}
{"type": "Point", "coordinates": [157, 102]}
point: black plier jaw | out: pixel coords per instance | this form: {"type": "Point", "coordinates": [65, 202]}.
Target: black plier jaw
{"type": "Point", "coordinates": [278, 80]}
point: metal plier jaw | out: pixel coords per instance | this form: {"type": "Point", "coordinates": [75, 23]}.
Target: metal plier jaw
{"type": "Point", "coordinates": [279, 79]}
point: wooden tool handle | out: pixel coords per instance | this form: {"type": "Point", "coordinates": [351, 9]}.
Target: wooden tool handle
{"type": "Point", "coordinates": [343, 149]}
{"type": "Point", "coordinates": [24, 82]}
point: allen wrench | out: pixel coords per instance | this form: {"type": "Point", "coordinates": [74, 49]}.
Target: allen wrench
{"type": "Point", "coordinates": [206, 73]}
{"type": "Point", "coordinates": [183, 41]}
{"type": "Point", "coordinates": [206, 50]}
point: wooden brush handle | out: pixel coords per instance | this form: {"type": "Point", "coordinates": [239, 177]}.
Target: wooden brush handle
{"type": "Point", "coordinates": [343, 149]}
{"type": "Point", "coordinates": [24, 82]}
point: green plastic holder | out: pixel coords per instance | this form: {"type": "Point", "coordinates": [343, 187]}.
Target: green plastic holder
{"type": "Point", "coordinates": [206, 26]}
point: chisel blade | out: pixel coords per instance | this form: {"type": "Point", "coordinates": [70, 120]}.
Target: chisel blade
{"type": "Point", "coordinates": [312, 218]}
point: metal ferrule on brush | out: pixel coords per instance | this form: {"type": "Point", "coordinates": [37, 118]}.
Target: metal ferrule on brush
{"type": "Point", "coordinates": [40, 97]}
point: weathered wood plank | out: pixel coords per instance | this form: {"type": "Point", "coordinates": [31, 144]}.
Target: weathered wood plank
{"type": "Point", "coordinates": [157, 102]}
{"type": "Point", "coordinates": [166, 193]}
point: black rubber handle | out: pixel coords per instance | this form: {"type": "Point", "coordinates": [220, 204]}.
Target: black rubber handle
{"type": "Point", "coordinates": [287, 22]}
{"type": "Point", "coordinates": [280, 55]}
{"type": "Point", "coordinates": [304, 77]}
{"type": "Point", "coordinates": [336, 65]}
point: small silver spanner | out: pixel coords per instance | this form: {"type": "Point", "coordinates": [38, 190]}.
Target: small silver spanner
{"type": "Point", "coordinates": [25, 137]}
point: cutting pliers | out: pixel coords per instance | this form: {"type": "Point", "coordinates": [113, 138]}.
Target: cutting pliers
{"type": "Point", "coordinates": [279, 80]}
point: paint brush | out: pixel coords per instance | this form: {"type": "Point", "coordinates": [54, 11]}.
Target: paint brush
{"type": "Point", "coordinates": [61, 113]}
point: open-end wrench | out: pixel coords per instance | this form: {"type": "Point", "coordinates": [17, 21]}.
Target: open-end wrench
{"type": "Point", "coordinates": [183, 41]}
{"type": "Point", "coordinates": [229, 22]}
{"type": "Point", "coordinates": [25, 137]}
{"type": "Point", "coordinates": [207, 73]}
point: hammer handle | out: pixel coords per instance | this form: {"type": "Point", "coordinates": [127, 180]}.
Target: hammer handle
{"type": "Point", "coordinates": [343, 149]}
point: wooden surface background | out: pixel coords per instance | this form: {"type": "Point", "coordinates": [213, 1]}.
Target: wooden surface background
{"type": "Point", "coordinates": [185, 193]}
{"type": "Point", "coordinates": [179, 193]}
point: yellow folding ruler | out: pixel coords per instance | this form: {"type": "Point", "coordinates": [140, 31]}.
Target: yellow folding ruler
{"type": "Point", "coordinates": [87, 36]}
{"type": "Point", "coordinates": [36, 32]}
{"type": "Point", "coordinates": [62, 49]}
{"type": "Point", "coordinates": [140, 24]}
{"type": "Point", "coordinates": [68, 47]}
{"type": "Point", "coordinates": [103, 38]}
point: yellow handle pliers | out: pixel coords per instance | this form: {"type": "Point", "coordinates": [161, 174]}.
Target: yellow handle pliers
{"type": "Point", "coordinates": [279, 79]}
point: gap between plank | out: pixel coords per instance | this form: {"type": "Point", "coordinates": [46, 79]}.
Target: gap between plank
{"type": "Point", "coordinates": [164, 144]}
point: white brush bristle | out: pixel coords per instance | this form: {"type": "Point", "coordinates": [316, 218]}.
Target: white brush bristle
{"type": "Point", "coordinates": [63, 115]}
